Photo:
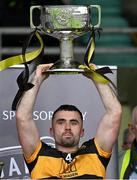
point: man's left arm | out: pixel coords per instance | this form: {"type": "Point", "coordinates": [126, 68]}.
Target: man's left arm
{"type": "Point", "coordinates": [108, 129]}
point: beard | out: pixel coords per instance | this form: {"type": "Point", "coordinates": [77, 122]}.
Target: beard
{"type": "Point", "coordinates": [67, 141]}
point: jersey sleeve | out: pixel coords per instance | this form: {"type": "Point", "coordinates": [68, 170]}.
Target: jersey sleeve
{"type": "Point", "coordinates": [101, 151]}
{"type": "Point", "coordinates": [35, 153]}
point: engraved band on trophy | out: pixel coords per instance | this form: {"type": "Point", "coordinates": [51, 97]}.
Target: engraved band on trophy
{"type": "Point", "coordinates": [65, 22]}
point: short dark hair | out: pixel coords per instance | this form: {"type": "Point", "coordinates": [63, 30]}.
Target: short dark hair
{"type": "Point", "coordinates": [67, 107]}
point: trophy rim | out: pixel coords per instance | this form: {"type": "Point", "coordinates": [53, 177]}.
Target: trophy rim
{"type": "Point", "coordinates": [65, 71]}
{"type": "Point", "coordinates": [86, 6]}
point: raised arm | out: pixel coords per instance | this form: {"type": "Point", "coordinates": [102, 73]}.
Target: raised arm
{"type": "Point", "coordinates": [108, 129]}
{"type": "Point", "coordinates": [26, 127]}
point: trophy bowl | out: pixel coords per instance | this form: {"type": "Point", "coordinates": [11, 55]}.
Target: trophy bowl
{"type": "Point", "coordinates": [65, 22]}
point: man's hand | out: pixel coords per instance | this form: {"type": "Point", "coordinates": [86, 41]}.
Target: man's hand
{"type": "Point", "coordinates": [87, 72]}
{"type": "Point", "coordinates": [40, 74]}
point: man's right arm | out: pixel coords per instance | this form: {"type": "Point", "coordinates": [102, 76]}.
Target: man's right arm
{"type": "Point", "coordinates": [27, 131]}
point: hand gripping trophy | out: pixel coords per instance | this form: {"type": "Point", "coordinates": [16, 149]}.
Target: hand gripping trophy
{"type": "Point", "coordinates": [65, 23]}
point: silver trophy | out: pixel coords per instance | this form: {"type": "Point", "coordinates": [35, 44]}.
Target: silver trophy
{"type": "Point", "coordinates": [65, 22]}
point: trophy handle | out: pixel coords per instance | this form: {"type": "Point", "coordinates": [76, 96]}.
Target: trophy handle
{"type": "Point", "coordinates": [99, 14]}
{"type": "Point", "coordinates": [31, 16]}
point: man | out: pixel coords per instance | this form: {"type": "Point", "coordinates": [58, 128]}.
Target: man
{"type": "Point", "coordinates": [128, 137]}
{"type": "Point", "coordinates": [67, 160]}
{"type": "Point", "coordinates": [129, 164]}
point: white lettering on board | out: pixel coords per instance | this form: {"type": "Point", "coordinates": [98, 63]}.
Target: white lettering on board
{"type": "Point", "coordinates": [13, 167]}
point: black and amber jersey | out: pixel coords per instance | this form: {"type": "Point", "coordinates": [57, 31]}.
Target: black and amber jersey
{"type": "Point", "coordinates": [89, 162]}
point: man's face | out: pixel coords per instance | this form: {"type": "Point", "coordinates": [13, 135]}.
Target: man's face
{"type": "Point", "coordinates": [67, 128]}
